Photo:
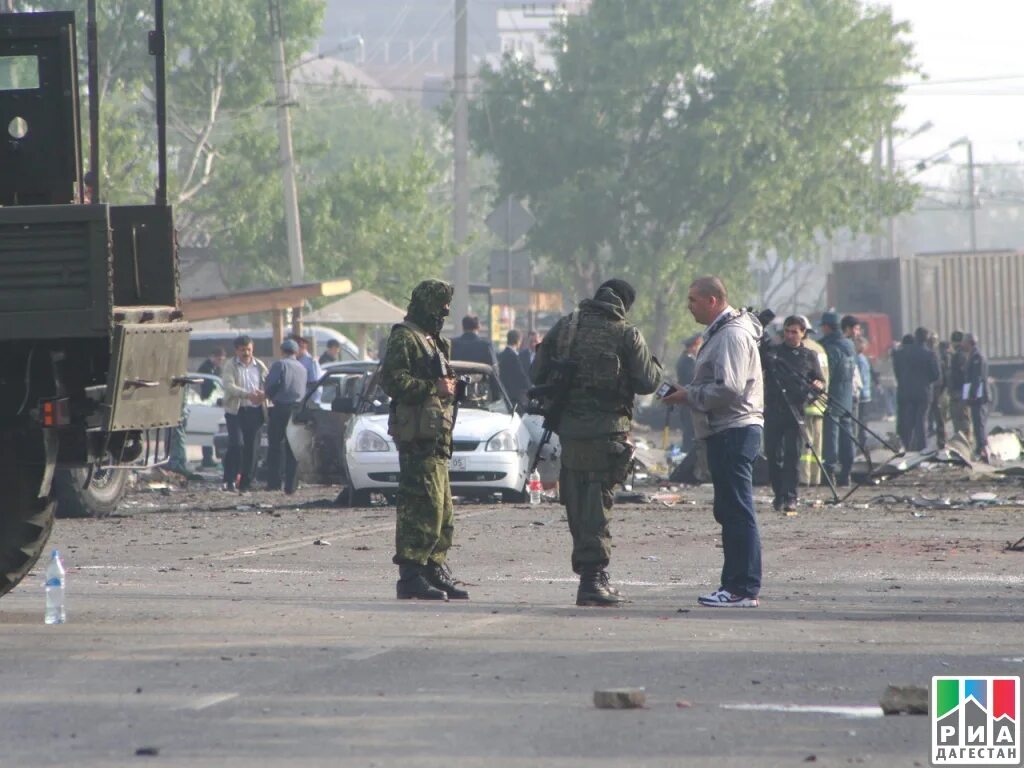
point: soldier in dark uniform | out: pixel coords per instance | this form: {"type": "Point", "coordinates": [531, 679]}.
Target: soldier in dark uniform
{"type": "Point", "coordinates": [959, 408]}
{"type": "Point", "coordinates": [975, 394]}
{"type": "Point", "coordinates": [790, 369]}
{"type": "Point", "coordinates": [416, 374]}
{"type": "Point", "coordinates": [612, 366]}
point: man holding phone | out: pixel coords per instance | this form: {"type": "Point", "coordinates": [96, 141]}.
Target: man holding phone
{"type": "Point", "coordinates": [727, 399]}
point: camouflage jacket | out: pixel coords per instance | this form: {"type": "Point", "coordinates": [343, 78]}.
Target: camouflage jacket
{"type": "Point", "coordinates": [600, 402]}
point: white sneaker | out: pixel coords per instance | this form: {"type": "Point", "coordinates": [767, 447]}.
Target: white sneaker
{"type": "Point", "coordinates": [723, 598]}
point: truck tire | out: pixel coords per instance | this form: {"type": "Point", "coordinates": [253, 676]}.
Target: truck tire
{"type": "Point", "coordinates": [1015, 396]}
{"type": "Point", "coordinates": [78, 496]}
{"type": "Point", "coordinates": [25, 519]}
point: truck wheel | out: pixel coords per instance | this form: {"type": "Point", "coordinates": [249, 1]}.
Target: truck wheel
{"type": "Point", "coordinates": [1015, 397]}
{"type": "Point", "coordinates": [25, 519]}
{"type": "Point", "coordinates": [997, 397]}
{"type": "Point", "coordinates": [99, 499]}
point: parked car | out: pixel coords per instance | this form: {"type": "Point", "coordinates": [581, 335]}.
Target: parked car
{"type": "Point", "coordinates": [492, 444]}
{"type": "Point", "coordinates": [316, 432]}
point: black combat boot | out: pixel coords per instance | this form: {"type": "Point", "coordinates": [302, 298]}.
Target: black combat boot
{"type": "Point", "coordinates": [412, 584]}
{"type": "Point", "coordinates": [595, 590]}
{"type": "Point", "coordinates": [438, 576]}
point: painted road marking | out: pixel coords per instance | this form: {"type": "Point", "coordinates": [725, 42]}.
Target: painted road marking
{"type": "Point", "coordinates": [858, 712]}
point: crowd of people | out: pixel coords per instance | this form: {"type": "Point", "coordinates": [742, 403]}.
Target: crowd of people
{"type": "Point", "coordinates": [801, 400]}
{"type": "Point", "coordinates": [818, 393]}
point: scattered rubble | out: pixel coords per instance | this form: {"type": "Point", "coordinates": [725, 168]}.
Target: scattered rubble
{"type": "Point", "coordinates": [620, 698]}
{"type": "Point", "coordinates": [905, 700]}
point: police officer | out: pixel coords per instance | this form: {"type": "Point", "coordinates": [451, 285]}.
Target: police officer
{"type": "Point", "coordinates": [416, 374]}
{"type": "Point", "coordinates": [612, 365]}
{"type": "Point", "coordinates": [790, 370]}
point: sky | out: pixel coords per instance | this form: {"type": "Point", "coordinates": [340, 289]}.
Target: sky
{"type": "Point", "coordinates": [963, 40]}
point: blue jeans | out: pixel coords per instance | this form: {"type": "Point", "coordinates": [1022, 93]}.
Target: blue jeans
{"type": "Point", "coordinates": [731, 455]}
{"type": "Point", "coordinates": [838, 445]}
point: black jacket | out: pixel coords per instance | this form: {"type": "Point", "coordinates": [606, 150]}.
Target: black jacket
{"type": "Point", "coordinates": [977, 377]}
{"type": "Point", "coordinates": [471, 348]}
{"type": "Point", "coordinates": [918, 369]}
{"type": "Point", "coordinates": [513, 377]}
{"type": "Point", "coordinates": [792, 369]}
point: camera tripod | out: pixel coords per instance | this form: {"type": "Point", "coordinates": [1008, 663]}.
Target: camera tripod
{"type": "Point", "coordinates": [834, 411]}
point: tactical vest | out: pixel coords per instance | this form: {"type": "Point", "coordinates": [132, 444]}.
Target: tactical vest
{"type": "Point", "coordinates": [430, 419]}
{"type": "Point", "coordinates": [593, 342]}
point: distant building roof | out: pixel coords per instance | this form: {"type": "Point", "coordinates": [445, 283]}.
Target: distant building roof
{"type": "Point", "coordinates": [360, 308]}
{"type": "Point", "coordinates": [326, 70]}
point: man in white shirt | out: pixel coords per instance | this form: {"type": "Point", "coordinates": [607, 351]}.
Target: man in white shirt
{"type": "Point", "coordinates": [244, 413]}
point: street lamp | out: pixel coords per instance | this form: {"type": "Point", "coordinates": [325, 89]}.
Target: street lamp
{"type": "Point", "coordinates": [942, 156]}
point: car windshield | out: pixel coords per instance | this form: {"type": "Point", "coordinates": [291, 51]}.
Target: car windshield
{"type": "Point", "coordinates": [484, 393]}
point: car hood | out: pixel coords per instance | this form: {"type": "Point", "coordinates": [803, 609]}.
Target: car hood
{"type": "Point", "coordinates": [472, 424]}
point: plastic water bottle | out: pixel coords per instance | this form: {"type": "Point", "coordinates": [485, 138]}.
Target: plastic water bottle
{"type": "Point", "coordinates": [55, 580]}
{"type": "Point", "coordinates": [535, 487]}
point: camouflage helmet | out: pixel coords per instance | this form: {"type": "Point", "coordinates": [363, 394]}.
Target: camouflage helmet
{"type": "Point", "coordinates": [427, 307]}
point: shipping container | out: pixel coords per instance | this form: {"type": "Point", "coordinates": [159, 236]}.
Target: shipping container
{"type": "Point", "coordinates": [980, 292]}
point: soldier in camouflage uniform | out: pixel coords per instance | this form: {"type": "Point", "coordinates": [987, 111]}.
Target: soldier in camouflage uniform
{"type": "Point", "coordinates": [613, 364]}
{"type": "Point", "coordinates": [417, 376]}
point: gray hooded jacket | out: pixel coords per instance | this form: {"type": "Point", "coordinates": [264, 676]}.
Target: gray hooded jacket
{"type": "Point", "coordinates": [727, 389]}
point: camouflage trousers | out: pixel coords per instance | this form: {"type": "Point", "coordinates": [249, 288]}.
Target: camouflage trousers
{"type": "Point", "coordinates": [590, 470]}
{"type": "Point", "coordinates": [425, 520]}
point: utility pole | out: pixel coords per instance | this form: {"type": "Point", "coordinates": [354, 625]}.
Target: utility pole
{"type": "Point", "coordinates": [460, 274]}
{"type": "Point", "coordinates": [972, 200]}
{"type": "Point", "coordinates": [890, 174]}
{"type": "Point", "coordinates": [284, 136]}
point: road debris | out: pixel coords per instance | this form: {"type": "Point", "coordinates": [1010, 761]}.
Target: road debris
{"type": "Point", "coordinates": [620, 698]}
{"type": "Point", "coordinates": [905, 700]}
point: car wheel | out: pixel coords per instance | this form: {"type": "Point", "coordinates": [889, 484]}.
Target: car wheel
{"type": "Point", "coordinates": [515, 497]}
{"type": "Point", "coordinates": [360, 498]}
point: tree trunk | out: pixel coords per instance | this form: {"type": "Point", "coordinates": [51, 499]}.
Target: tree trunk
{"type": "Point", "coordinates": [664, 305]}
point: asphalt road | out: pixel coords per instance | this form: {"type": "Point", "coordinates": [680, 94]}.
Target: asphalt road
{"type": "Point", "coordinates": [212, 629]}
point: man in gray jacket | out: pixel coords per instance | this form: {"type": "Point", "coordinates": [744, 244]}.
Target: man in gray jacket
{"type": "Point", "coordinates": [727, 400]}
{"type": "Point", "coordinates": [286, 386]}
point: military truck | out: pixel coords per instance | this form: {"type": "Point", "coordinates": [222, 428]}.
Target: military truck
{"type": "Point", "coordinates": [93, 345]}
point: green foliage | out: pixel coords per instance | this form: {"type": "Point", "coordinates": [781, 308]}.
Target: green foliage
{"type": "Point", "coordinates": [678, 138]}
{"type": "Point", "coordinates": [368, 173]}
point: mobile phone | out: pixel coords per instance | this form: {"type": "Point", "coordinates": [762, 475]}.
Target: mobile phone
{"type": "Point", "coordinates": [664, 390]}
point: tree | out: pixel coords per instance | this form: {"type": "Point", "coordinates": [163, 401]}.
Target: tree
{"type": "Point", "coordinates": [219, 63]}
{"type": "Point", "coordinates": [373, 204]}
{"type": "Point", "coordinates": [676, 138]}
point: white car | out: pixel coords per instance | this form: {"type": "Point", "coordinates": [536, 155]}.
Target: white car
{"type": "Point", "coordinates": [492, 445]}
{"type": "Point", "coordinates": [205, 414]}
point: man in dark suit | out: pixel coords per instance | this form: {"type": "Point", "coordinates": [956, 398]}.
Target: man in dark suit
{"type": "Point", "coordinates": [510, 370]}
{"type": "Point", "coordinates": [470, 347]}
{"type": "Point", "coordinates": [529, 351]}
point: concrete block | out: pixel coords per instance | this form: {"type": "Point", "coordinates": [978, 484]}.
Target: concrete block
{"type": "Point", "coordinates": [620, 698]}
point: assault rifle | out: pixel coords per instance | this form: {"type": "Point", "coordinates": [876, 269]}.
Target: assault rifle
{"type": "Point", "coordinates": [440, 368]}
{"type": "Point", "coordinates": [548, 400]}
